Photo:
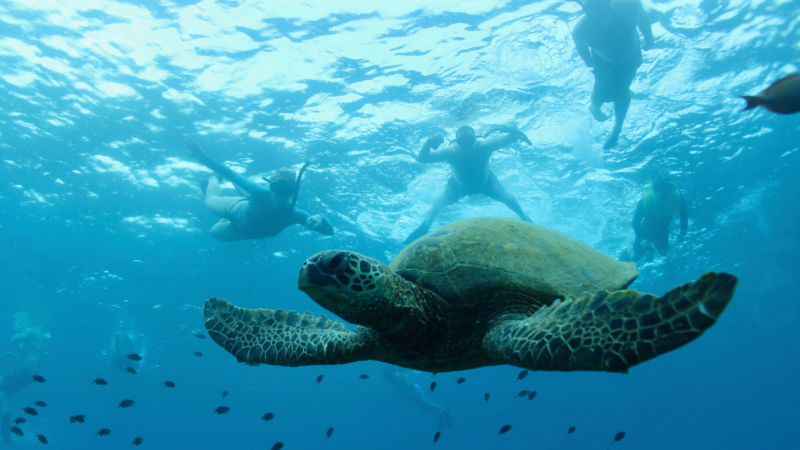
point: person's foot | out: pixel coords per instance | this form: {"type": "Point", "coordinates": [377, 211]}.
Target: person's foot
{"type": "Point", "coordinates": [612, 138]}
{"type": "Point", "coordinates": [597, 112]}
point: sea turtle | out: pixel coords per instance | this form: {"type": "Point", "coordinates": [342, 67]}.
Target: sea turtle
{"type": "Point", "coordinates": [478, 292]}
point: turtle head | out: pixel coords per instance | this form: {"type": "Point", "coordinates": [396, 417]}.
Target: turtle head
{"type": "Point", "coordinates": [350, 285]}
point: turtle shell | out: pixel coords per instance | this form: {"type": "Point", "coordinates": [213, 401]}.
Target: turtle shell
{"type": "Point", "coordinates": [473, 258]}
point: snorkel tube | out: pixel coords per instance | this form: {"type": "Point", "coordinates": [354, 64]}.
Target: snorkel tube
{"type": "Point", "coordinates": [296, 184]}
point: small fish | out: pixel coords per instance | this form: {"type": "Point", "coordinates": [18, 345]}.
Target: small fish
{"type": "Point", "coordinates": [523, 393]}
{"type": "Point", "coordinates": [38, 378]}
{"type": "Point", "coordinates": [41, 438]}
{"type": "Point", "coordinates": [16, 431]}
{"type": "Point", "coordinates": [437, 436]}
{"type": "Point", "coordinates": [19, 421]}
{"type": "Point", "coordinates": [571, 430]}
{"type": "Point", "coordinates": [504, 429]}
{"type": "Point", "coordinates": [319, 379]}
{"type": "Point", "coordinates": [433, 386]}
{"type": "Point", "coordinates": [200, 335]}
{"type": "Point", "coordinates": [137, 441]}
{"type": "Point", "coordinates": [134, 357]}
{"type": "Point", "coordinates": [363, 376]}
{"type": "Point", "coordinates": [460, 380]}
{"type": "Point", "coordinates": [102, 382]}
{"type": "Point", "coordinates": [103, 432]}
{"type": "Point", "coordinates": [782, 97]}
{"type": "Point", "coordinates": [169, 384]}
{"type": "Point", "coordinates": [268, 417]}
{"type": "Point", "coordinates": [433, 374]}
{"type": "Point", "coordinates": [620, 436]}
{"type": "Point", "coordinates": [329, 433]}
{"type": "Point", "coordinates": [224, 394]}
{"type": "Point", "coordinates": [130, 370]}
{"type": "Point", "coordinates": [486, 397]}
{"type": "Point", "coordinates": [79, 418]}
{"type": "Point", "coordinates": [522, 375]}
{"type": "Point", "coordinates": [252, 364]}
{"type": "Point", "coordinates": [277, 446]}
{"type": "Point", "coordinates": [531, 395]}
{"type": "Point", "coordinates": [30, 411]}
{"type": "Point", "coordinates": [40, 403]}
{"type": "Point", "coordinates": [221, 410]}
{"type": "Point", "coordinates": [125, 404]}
{"type": "Point", "coordinates": [198, 354]}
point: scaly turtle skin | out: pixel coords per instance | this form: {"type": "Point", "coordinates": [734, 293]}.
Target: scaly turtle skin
{"type": "Point", "coordinates": [475, 293]}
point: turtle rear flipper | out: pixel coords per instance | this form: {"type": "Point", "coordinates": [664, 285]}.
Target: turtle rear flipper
{"type": "Point", "coordinates": [285, 338]}
{"type": "Point", "coordinates": [610, 331]}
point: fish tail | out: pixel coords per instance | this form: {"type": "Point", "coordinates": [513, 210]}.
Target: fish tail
{"type": "Point", "coordinates": [752, 101]}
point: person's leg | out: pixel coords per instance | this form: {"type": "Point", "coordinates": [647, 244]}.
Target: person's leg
{"type": "Point", "coordinates": [452, 193]}
{"type": "Point", "coordinates": [596, 107]}
{"type": "Point", "coordinates": [223, 231]}
{"type": "Point", "coordinates": [621, 106]}
{"type": "Point", "coordinates": [220, 206]}
{"type": "Point", "coordinates": [438, 205]}
{"type": "Point", "coordinates": [619, 89]}
{"type": "Point", "coordinates": [496, 191]}
{"type": "Point", "coordinates": [661, 243]}
{"type": "Point", "coordinates": [601, 72]}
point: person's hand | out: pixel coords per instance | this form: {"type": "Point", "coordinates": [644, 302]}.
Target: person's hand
{"type": "Point", "coordinates": [512, 129]}
{"type": "Point", "coordinates": [313, 222]}
{"type": "Point", "coordinates": [681, 237]}
{"type": "Point", "coordinates": [434, 142]}
{"type": "Point", "coordinates": [194, 150]}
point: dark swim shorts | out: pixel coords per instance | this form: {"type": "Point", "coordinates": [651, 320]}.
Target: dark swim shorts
{"type": "Point", "coordinates": [454, 192]}
{"type": "Point", "coordinates": [611, 81]}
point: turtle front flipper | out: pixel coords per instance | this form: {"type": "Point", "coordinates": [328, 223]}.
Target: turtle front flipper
{"type": "Point", "coordinates": [610, 331]}
{"type": "Point", "coordinates": [285, 338]}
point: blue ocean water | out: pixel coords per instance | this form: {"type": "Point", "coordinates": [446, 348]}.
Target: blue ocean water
{"type": "Point", "coordinates": [103, 232]}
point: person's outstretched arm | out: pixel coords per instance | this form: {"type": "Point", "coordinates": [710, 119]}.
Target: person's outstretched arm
{"type": "Point", "coordinates": [638, 216]}
{"type": "Point", "coordinates": [644, 26]}
{"type": "Point", "coordinates": [581, 44]}
{"type": "Point", "coordinates": [196, 151]}
{"type": "Point", "coordinates": [317, 222]}
{"type": "Point", "coordinates": [430, 153]}
{"type": "Point", "coordinates": [684, 219]}
{"type": "Point", "coordinates": [512, 135]}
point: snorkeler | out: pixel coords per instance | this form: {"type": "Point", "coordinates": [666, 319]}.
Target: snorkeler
{"type": "Point", "coordinates": [469, 160]}
{"type": "Point", "coordinates": [607, 41]}
{"type": "Point", "coordinates": [31, 345]}
{"type": "Point", "coordinates": [123, 345]}
{"type": "Point", "coordinates": [414, 395]}
{"type": "Point", "coordinates": [661, 200]}
{"type": "Point", "coordinates": [262, 212]}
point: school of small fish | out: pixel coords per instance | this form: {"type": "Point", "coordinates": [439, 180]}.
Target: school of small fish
{"type": "Point", "coordinates": [126, 403]}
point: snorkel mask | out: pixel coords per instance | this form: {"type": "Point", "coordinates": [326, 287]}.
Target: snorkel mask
{"type": "Point", "coordinates": [282, 187]}
{"type": "Point", "coordinates": [282, 182]}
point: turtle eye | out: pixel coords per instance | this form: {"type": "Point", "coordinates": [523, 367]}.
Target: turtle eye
{"type": "Point", "coordinates": [334, 265]}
